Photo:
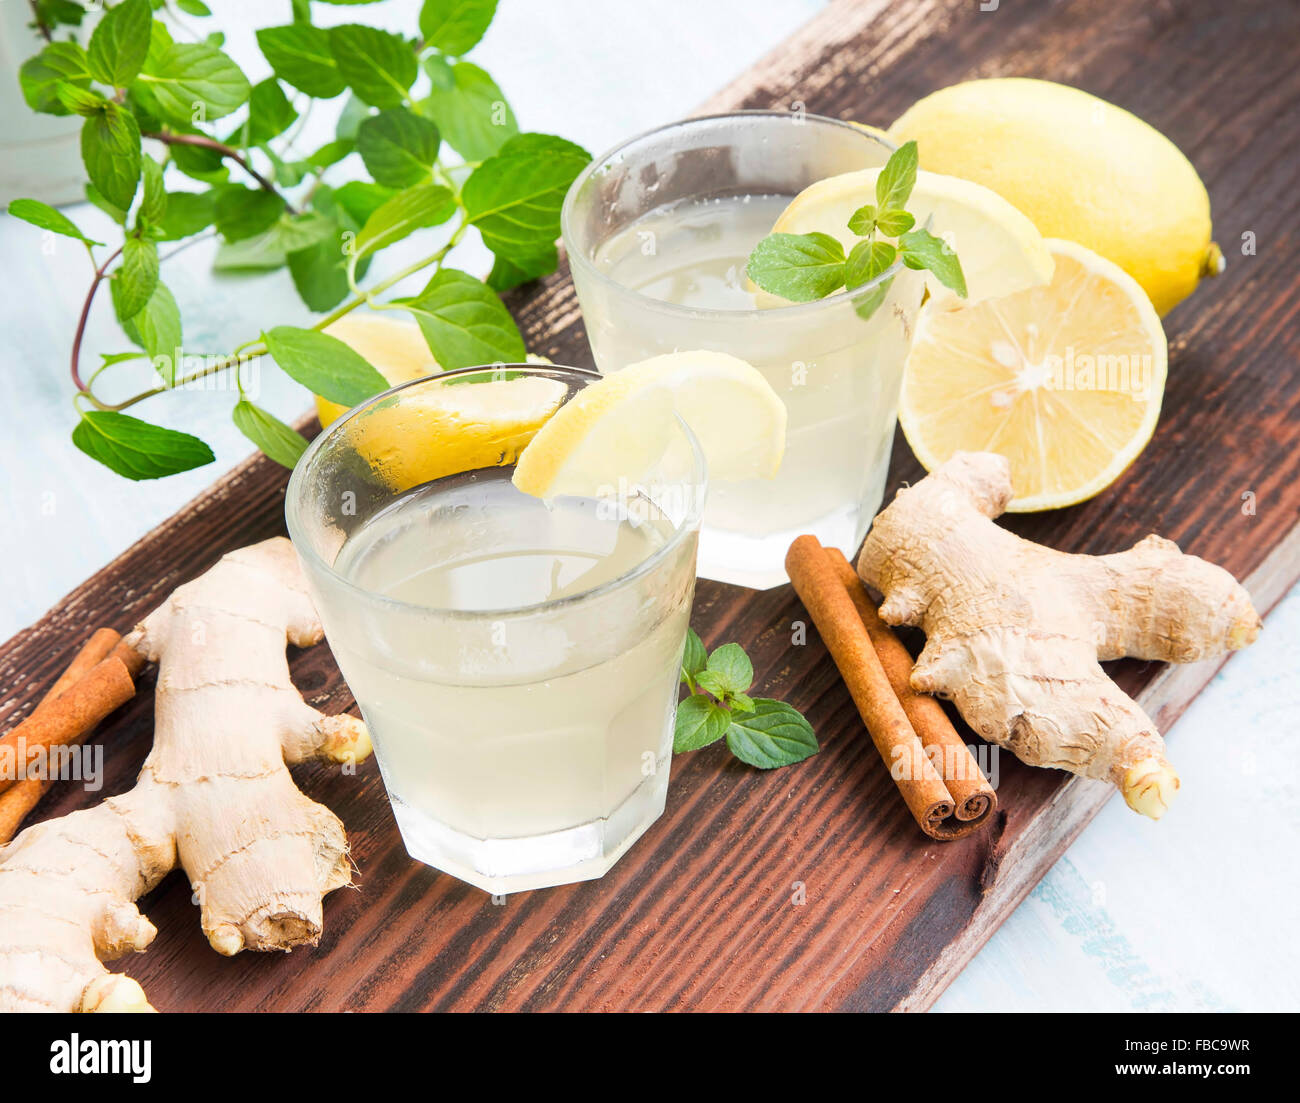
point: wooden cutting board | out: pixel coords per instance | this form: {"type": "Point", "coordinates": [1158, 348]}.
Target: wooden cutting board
{"type": "Point", "coordinates": [704, 912]}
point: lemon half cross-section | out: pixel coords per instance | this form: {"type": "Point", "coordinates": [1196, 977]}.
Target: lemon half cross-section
{"type": "Point", "coordinates": [1000, 250]}
{"type": "Point", "coordinates": [1064, 380]}
{"type": "Point", "coordinates": [620, 425]}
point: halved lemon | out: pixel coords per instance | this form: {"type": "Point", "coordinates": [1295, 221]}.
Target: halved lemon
{"type": "Point", "coordinates": [621, 425]}
{"type": "Point", "coordinates": [1000, 250]}
{"type": "Point", "coordinates": [1064, 380]}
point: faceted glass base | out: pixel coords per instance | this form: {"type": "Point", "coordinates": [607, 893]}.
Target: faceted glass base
{"type": "Point", "coordinates": [502, 866]}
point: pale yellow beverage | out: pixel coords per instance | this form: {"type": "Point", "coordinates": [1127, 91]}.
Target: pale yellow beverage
{"type": "Point", "coordinates": [516, 660]}
{"type": "Point", "coordinates": [659, 232]}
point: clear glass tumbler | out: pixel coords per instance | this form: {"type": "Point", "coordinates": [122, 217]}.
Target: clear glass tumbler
{"type": "Point", "coordinates": [516, 660]}
{"type": "Point", "coordinates": [658, 231]}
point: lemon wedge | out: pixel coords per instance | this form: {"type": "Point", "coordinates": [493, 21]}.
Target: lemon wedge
{"type": "Point", "coordinates": [1065, 380]}
{"type": "Point", "coordinates": [621, 425]}
{"type": "Point", "coordinates": [1000, 250]}
{"type": "Point", "coordinates": [435, 431]}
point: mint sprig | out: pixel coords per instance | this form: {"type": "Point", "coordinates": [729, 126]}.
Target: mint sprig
{"type": "Point", "coordinates": [807, 267]}
{"type": "Point", "coordinates": [759, 731]}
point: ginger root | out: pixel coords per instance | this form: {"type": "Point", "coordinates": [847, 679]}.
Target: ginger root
{"type": "Point", "coordinates": [214, 796]}
{"type": "Point", "coordinates": [1015, 632]}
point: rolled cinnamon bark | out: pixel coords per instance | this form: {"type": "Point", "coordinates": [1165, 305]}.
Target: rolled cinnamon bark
{"type": "Point", "coordinates": [821, 586]}
{"type": "Point", "coordinates": [94, 651]}
{"type": "Point", "coordinates": [832, 610]}
{"type": "Point", "coordinates": [972, 794]}
{"type": "Point", "coordinates": [74, 712]}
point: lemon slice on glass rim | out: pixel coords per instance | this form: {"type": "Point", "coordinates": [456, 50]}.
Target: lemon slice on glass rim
{"type": "Point", "coordinates": [619, 426]}
{"type": "Point", "coordinates": [1065, 380]}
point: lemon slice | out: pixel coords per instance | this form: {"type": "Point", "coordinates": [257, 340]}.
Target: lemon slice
{"type": "Point", "coordinates": [462, 426]}
{"type": "Point", "coordinates": [621, 425]}
{"type": "Point", "coordinates": [1000, 250]}
{"type": "Point", "coordinates": [1064, 380]}
{"type": "Point", "coordinates": [395, 347]}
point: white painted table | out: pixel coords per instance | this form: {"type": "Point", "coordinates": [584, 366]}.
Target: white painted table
{"type": "Point", "coordinates": [1197, 912]}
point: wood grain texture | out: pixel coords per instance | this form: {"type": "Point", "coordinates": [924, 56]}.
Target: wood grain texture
{"type": "Point", "coordinates": [701, 913]}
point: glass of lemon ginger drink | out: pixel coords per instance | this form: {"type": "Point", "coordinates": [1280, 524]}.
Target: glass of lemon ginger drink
{"type": "Point", "coordinates": [658, 232]}
{"type": "Point", "coordinates": [516, 659]}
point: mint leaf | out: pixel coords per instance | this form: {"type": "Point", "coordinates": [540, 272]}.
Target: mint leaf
{"type": "Point", "coordinates": [698, 723]}
{"type": "Point", "coordinates": [732, 668]}
{"type": "Point", "coordinates": [897, 179]}
{"type": "Point", "coordinates": [863, 221]}
{"type": "Point", "coordinates": [360, 199]}
{"type": "Point", "coordinates": [136, 448]}
{"type": "Point", "coordinates": [893, 223]}
{"type": "Point", "coordinates": [268, 432]}
{"type": "Point", "coordinates": [47, 218]}
{"type": "Point", "coordinates": [269, 112]}
{"type": "Point", "coordinates": [187, 213]}
{"type": "Point", "coordinates": [324, 365]}
{"type": "Point", "coordinates": [194, 7]}
{"type": "Point", "coordinates": [695, 658]}
{"type": "Point", "coordinates": [110, 150]}
{"type": "Point", "coordinates": [774, 734]}
{"type": "Point", "coordinates": [60, 63]}
{"type": "Point", "coordinates": [867, 259]}
{"type": "Point", "coordinates": [120, 42]}
{"type": "Point", "coordinates": [300, 55]}
{"type": "Point", "coordinates": [922, 250]}
{"type": "Point", "coordinates": [116, 213]}
{"type": "Point", "coordinates": [156, 328]}
{"type": "Point", "coordinates": [798, 267]}
{"type": "Point", "coordinates": [80, 101]}
{"type": "Point", "coordinates": [200, 164]}
{"type": "Point", "coordinates": [740, 702]}
{"type": "Point", "coordinates": [398, 147]}
{"type": "Point", "coordinates": [135, 279]}
{"type": "Point", "coordinates": [464, 322]}
{"type": "Point", "coordinates": [508, 272]}
{"type": "Point", "coordinates": [469, 108]}
{"type": "Point", "coordinates": [153, 203]}
{"type": "Point", "coordinates": [354, 113]}
{"type": "Point", "coordinates": [320, 273]}
{"type": "Point", "coordinates": [379, 67]}
{"type": "Point", "coordinates": [407, 211]}
{"type": "Point", "coordinates": [331, 153]}
{"type": "Point", "coordinates": [245, 212]}
{"type": "Point", "coordinates": [193, 83]}
{"type": "Point", "coordinates": [515, 196]}
{"type": "Point", "coordinates": [712, 683]}
{"type": "Point", "coordinates": [455, 26]}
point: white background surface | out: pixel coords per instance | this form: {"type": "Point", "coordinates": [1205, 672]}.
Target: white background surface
{"type": "Point", "coordinates": [1197, 912]}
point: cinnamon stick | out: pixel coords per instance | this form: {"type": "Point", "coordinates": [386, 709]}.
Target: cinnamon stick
{"type": "Point", "coordinates": [821, 586]}
{"type": "Point", "coordinates": [972, 794]}
{"type": "Point", "coordinates": [66, 714]}
{"type": "Point", "coordinates": [92, 653]}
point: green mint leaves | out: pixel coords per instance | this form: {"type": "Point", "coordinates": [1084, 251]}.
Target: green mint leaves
{"type": "Point", "coordinates": [432, 149]}
{"type": "Point", "coordinates": [759, 731]}
{"type": "Point", "coordinates": [807, 267]}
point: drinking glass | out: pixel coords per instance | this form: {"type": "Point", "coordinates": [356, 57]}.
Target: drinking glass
{"type": "Point", "coordinates": [658, 231]}
{"type": "Point", "coordinates": [516, 661]}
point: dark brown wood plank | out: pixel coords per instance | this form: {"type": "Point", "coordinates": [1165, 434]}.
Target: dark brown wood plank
{"type": "Point", "coordinates": [700, 914]}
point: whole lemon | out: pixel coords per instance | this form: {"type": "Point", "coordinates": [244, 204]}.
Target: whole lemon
{"type": "Point", "coordinates": [1081, 169]}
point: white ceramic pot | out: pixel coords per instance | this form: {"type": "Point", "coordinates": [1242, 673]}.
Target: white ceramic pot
{"type": "Point", "coordinates": [40, 155]}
